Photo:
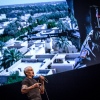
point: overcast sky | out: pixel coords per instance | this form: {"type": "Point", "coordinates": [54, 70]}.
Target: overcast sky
{"type": "Point", "coordinates": [10, 2]}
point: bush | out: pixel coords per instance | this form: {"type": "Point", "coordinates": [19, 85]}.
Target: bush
{"type": "Point", "coordinates": [14, 77]}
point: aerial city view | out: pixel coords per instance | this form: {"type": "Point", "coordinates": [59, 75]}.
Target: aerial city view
{"type": "Point", "coordinates": [44, 35]}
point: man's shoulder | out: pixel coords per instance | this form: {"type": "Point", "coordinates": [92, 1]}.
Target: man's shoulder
{"type": "Point", "coordinates": [25, 79]}
{"type": "Point", "coordinates": [28, 79]}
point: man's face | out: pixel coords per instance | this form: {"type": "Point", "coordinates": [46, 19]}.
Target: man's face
{"type": "Point", "coordinates": [30, 72]}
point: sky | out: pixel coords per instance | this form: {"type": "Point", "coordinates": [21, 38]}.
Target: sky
{"type": "Point", "coordinates": [10, 2]}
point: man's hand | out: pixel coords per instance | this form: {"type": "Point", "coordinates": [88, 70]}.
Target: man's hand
{"type": "Point", "coordinates": [42, 79]}
{"type": "Point", "coordinates": [36, 85]}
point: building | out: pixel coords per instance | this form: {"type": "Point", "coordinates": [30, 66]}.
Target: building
{"type": "Point", "coordinates": [2, 16]}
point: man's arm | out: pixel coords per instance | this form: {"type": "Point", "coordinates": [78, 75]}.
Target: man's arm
{"type": "Point", "coordinates": [42, 88]}
{"type": "Point", "coordinates": [26, 89]}
{"type": "Point", "coordinates": [42, 84]}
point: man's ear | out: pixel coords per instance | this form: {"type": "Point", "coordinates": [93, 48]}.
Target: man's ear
{"type": "Point", "coordinates": [26, 73]}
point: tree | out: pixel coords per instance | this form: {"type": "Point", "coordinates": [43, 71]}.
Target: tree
{"type": "Point", "coordinates": [11, 29]}
{"type": "Point", "coordinates": [60, 44]}
{"type": "Point", "coordinates": [51, 24]}
{"type": "Point", "coordinates": [18, 23]}
{"type": "Point", "coordinates": [10, 56]}
{"type": "Point", "coordinates": [2, 44]}
{"type": "Point", "coordinates": [30, 20]}
{"type": "Point", "coordinates": [14, 77]}
{"type": "Point", "coordinates": [63, 26]}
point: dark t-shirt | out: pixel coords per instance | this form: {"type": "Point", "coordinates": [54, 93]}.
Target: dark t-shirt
{"type": "Point", "coordinates": [34, 93]}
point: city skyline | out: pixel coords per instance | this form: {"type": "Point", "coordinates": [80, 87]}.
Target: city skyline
{"type": "Point", "coordinates": [11, 2]}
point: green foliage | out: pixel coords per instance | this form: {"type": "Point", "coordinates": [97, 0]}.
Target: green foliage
{"type": "Point", "coordinates": [2, 44]}
{"type": "Point", "coordinates": [14, 77]}
{"type": "Point", "coordinates": [60, 44]}
{"type": "Point", "coordinates": [30, 19]}
{"type": "Point", "coordinates": [10, 29]}
{"type": "Point", "coordinates": [40, 21]}
{"type": "Point", "coordinates": [63, 25]}
{"type": "Point", "coordinates": [51, 24]}
{"type": "Point", "coordinates": [10, 56]}
{"type": "Point", "coordinates": [4, 38]}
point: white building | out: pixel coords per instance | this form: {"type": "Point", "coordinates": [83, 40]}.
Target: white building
{"type": "Point", "coordinates": [2, 16]}
{"type": "Point", "coordinates": [40, 27]}
{"type": "Point", "coordinates": [25, 17]}
{"type": "Point", "coordinates": [6, 23]}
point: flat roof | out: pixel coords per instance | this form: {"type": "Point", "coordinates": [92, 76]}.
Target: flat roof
{"type": "Point", "coordinates": [61, 56]}
{"type": "Point", "coordinates": [20, 68]}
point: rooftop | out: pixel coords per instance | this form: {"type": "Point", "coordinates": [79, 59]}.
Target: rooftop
{"type": "Point", "coordinates": [40, 61]}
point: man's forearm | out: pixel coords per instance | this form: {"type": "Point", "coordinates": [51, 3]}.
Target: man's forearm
{"type": "Point", "coordinates": [42, 88]}
{"type": "Point", "coordinates": [26, 89]}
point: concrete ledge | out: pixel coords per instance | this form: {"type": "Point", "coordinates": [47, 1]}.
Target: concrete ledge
{"type": "Point", "coordinates": [62, 67]}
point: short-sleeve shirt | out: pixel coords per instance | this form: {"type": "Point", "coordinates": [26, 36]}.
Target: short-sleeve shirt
{"type": "Point", "coordinates": [34, 93]}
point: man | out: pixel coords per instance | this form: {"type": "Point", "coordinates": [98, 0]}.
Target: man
{"type": "Point", "coordinates": [30, 86]}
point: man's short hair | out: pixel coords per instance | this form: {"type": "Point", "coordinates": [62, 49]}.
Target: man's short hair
{"type": "Point", "coordinates": [26, 69]}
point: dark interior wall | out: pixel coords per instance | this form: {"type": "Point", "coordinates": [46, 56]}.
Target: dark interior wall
{"type": "Point", "coordinates": [81, 84]}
